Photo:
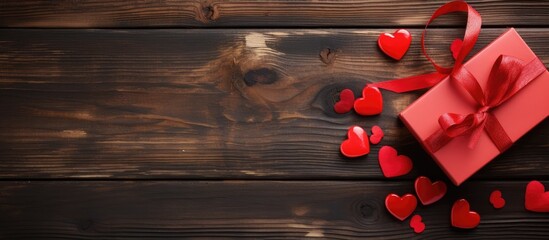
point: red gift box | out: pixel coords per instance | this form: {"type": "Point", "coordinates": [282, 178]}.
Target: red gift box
{"type": "Point", "coordinates": [476, 110]}
{"type": "Point", "coordinates": [518, 115]}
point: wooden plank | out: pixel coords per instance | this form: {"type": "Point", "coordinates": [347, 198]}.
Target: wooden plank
{"type": "Point", "coordinates": [285, 13]}
{"type": "Point", "coordinates": [253, 209]}
{"type": "Point", "coordinates": [213, 104]}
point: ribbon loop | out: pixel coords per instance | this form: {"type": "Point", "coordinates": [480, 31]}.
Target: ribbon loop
{"type": "Point", "coordinates": [472, 30]}
{"type": "Point", "coordinates": [508, 76]}
{"type": "Point", "coordinates": [507, 73]}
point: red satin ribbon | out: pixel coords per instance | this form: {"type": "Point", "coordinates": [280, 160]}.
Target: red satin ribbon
{"type": "Point", "coordinates": [508, 76]}
{"type": "Point", "coordinates": [472, 30]}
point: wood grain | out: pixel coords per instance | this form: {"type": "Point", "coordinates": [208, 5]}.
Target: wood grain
{"type": "Point", "coordinates": [285, 13]}
{"type": "Point", "coordinates": [252, 209]}
{"type": "Point", "coordinates": [193, 104]}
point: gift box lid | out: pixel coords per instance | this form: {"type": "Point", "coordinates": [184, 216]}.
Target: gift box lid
{"type": "Point", "coordinates": [517, 115]}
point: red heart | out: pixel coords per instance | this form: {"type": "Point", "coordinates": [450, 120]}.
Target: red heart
{"type": "Point", "coordinates": [455, 47]}
{"type": "Point", "coordinates": [417, 224]}
{"type": "Point", "coordinates": [428, 192]}
{"type": "Point", "coordinates": [496, 200]}
{"type": "Point", "coordinates": [377, 135]}
{"type": "Point", "coordinates": [462, 217]}
{"type": "Point", "coordinates": [371, 102]}
{"type": "Point", "coordinates": [536, 198]}
{"type": "Point", "coordinates": [346, 100]}
{"type": "Point", "coordinates": [400, 207]}
{"type": "Point", "coordinates": [357, 143]}
{"type": "Point", "coordinates": [393, 165]}
{"type": "Point", "coordinates": [395, 45]}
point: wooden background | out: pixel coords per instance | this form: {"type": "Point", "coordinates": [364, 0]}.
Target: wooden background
{"type": "Point", "coordinates": [164, 118]}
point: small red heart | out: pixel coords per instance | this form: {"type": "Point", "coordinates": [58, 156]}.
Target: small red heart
{"type": "Point", "coordinates": [395, 45]}
{"type": "Point", "coordinates": [417, 224]}
{"type": "Point", "coordinates": [345, 103]}
{"type": "Point", "coordinates": [393, 165]}
{"type": "Point", "coordinates": [371, 102]}
{"type": "Point", "coordinates": [455, 47]}
{"type": "Point", "coordinates": [462, 217]}
{"type": "Point", "coordinates": [357, 143]}
{"type": "Point", "coordinates": [400, 207]}
{"type": "Point", "coordinates": [377, 135]}
{"type": "Point", "coordinates": [428, 192]}
{"type": "Point", "coordinates": [536, 198]}
{"type": "Point", "coordinates": [496, 200]}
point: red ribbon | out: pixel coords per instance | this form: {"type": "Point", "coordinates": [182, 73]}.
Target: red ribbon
{"type": "Point", "coordinates": [508, 76]}
{"type": "Point", "coordinates": [472, 30]}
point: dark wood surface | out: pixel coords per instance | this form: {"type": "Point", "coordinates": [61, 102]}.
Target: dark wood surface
{"type": "Point", "coordinates": [246, 13]}
{"type": "Point", "coordinates": [134, 132]}
{"type": "Point", "coordinates": [248, 209]}
{"type": "Point", "coordinates": [211, 104]}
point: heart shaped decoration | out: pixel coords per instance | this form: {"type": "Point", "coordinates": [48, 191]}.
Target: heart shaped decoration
{"type": "Point", "coordinates": [345, 103]}
{"type": "Point", "coordinates": [496, 200]}
{"type": "Point", "coordinates": [371, 102]}
{"type": "Point", "coordinates": [395, 45]}
{"type": "Point", "coordinates": [400, 207]}
{"type": "Point", "coordinates": [455, 47]}
{"type": "Point", "coordinates": [417, 224]}
{"type": "Point", "coordinates": [377, 135]}
{"type": "Point", "coordinates": [536, 198]}
{"type": "Point", "coordinates": [357, 143]}
{"type": "Point", "coordinates": [462, 216]}
{"type": "Point", "coordinates": [393, 165]}
{"type": "Point", "coordinates": [428, 192]}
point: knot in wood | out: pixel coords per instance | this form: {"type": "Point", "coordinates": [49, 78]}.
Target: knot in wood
{"type": "Point", "coordinates": [207, 11]}
{"type": "Point", "coordinates": [211, 12]}
{"type": "Point", "coordinates": [85, 225]}
{"type": "Point", "coordinates": [261, 76]}
{"type": "Point", "coordinates": [327, 56]}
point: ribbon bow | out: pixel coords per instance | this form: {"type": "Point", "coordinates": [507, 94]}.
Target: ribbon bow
{"type": "Point", "coordinates": [508, 76]}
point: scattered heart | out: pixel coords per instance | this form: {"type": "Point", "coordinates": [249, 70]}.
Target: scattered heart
{"type": "Point", "coordinates": [345, 103]}
{"type": "Point", "coordinates": [462, 216]}
{"type": "Point", "coordinates": [536, 198]}
{"type": "Point", "coordinates": [455, 47]}
{"type": "Point", "coordinates": [357, 143]}
{"type": "Point", "coordinates": [371, 102]}
{"type": "Point", "coordinates": [417, 224]}
{"type": "Point", "coordinates": [428, 192]}
{"type": "Point", "coordinates": [496, 200]}
{"type": "Point", "coordinates": [400, 207]}
{"type": "Point", "coordinates": [393, 165]}
{"type": "Point", "coordinates": [377, 135]}
{"type": "Point", "coordinates": [395, 45]}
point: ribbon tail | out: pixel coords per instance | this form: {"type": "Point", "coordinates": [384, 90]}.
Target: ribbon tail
{"type": "Point", "coordinates": [475, 135]}
{"type": "Point", "coordinates": [410, 83]}
{"type": "Point", "coordinates": [437, 140]}
{"type": "Point", "coordinates": [497, 134]}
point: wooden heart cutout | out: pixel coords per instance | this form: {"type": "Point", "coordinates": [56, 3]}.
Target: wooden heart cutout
{"type": "Point", "coordinates": [371, 102]}
{"type": "Point", "coordinates": [400, 207]}
{"type": "Point", "coordinates": [496, 199]}
{"type": "Point", "coordinates": [455, 47]}
{"type": "Point", "coordinates": [395, 45]}
{"type": "Point", "coordinates": [536, 199]}
{"type": "Point", "coordinates": [392, 164]}
{"type": "Point", "coordinates": [346, 101]}
{"type": "Point", "coordinates": [417, 224]}
{"type": "Point", "coordinates": [462, 216]}
{"type": "Point", "coordinates": [428, 192]}
{"type": "Point", "coordinates": [377, 135]}
{"type": "Point", "coordinates": [357, 143]}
